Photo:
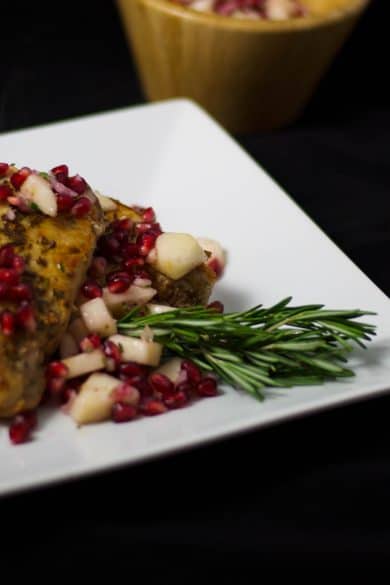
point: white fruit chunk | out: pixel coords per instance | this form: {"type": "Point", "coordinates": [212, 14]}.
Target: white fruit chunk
{"type": "Point", "coordinates": [94, 401]}
{"type": "Point", "coordinates": [98, 318]}
{"type": "Point", "coordinates": [68, 346]}
{"type": "Point", "coordinates": [78, 329]}
{"type": "Point", "coordinates": [171, 369]}
{"type": "Point", "coordinates": [37, 190]}
{"type": "Point", "coordinates": [134, 295]}
{"type": "Point", "coordinates": [154, 309]}
{"type": "Point", "coordinates": [177, 254]}
{"type": "Point", "coordinates": [217, 258]}
{"type": "Point", "coordinates": [147, 353]}
{"type": "Point", "coordinates": [85, 363]}
{"type": "Point", "coordinates": [106, 203]}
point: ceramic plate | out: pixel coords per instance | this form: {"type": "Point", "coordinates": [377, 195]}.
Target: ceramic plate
{"type": "Point", "coordinates": [174, 157]}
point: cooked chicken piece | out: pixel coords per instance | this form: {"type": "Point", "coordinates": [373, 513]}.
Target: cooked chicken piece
{"type": "Point", "coordinates": [56, 250]}
{"type": "Point", "coordinates": [194, 288]}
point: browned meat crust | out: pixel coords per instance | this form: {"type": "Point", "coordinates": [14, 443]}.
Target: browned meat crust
{"type": "Point", "coordinates": [57, 252]}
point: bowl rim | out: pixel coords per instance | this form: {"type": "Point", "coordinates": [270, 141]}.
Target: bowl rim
{"type": "Point", "coordinates": [169, 8]}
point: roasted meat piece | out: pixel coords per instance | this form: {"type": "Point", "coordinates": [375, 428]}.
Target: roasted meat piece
{"type": "Point", "coordinates": [45, 250]}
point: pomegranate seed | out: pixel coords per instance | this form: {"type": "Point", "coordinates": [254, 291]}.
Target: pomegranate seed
{"type": "Point", "coordinates": [216, 266]}
{"type": "Point", "coordinates": [122, 412]}
{"type": "Point", "coordinates": [130, 251]}
{"type": "Point", "coordinates": [207, 387]}
{"type": "Point", "coordinates": [57, 370]}
{"type": "Point", "coordinates": [98, 266]}
{"type": "Point", "coordinates": [141, 383]}
{"type": "Point", "coordinates": [146, 243]}
{"type": "Point", "coordinates": [149, 215]}
{"type": "Point", "coordinates": [3, 168]}
{"type": "Point", "coordinates": [60, 172]}
{"type": "Point", "coordinates": [55, 386]}
{"type": "Point", "coordinates": [7, 322]}
{"type": "Point", "coordinates": [5, 192]}
{"type": "Point", "coordinates": [126, 393]}
{"type": "Point", "coordinates": [118, 282]}
{"type": "Point", "coordinates": [109, 246]}
{"type": "Point", "coordinates": [4, 290]}
{"type": "Point", "coordinates": [77, 184]}
{"type": "Point", "coordinates": [9, 276]}
{"type": "Point", "coordinates": [112, 351]}
{"type": "Point", "coordinates": [91, 342]}
{"type": "Point", "coordinates": [151, 228]}
{"type": "Point", "coordinates": [7, 255]}
{"type": "Point", "coordinates": [64, 202]}
{"type": "Point", "coordinates": [217, 306]}
{"type": "Point", "coordinates": [131, 369]}
{"type": "Point", "coordinates": [125, 224]}
{"type": "Point", "coordinates": [130, 263]}
{"type": "Point", "coordinates": [18, 264]}
{"type": "Point", "coordinates": [122, 236]}
{"type": "Point", "coordinates": [193, 372]}
{"type": "Point", "coordinates": [18, 178]}
{"type": "Point", "coordinates": [20, 292]}
{"type": "Point", "coordinates": [185, 387]}
{"type": "Point", "coordinates": [25, 317]}
{"type": "Point", "coordinates": [21, 427]}
{"type": "Point", "coordinates": [152, 407]}
{"type": "Point", "coordinates": [91, 290]}
{"type": "Point", "coordinates": [176, 400]}
{"type": "Point", "coordinates": [81, 207]}
{"type": "Point", "coordinates": [161, 384]}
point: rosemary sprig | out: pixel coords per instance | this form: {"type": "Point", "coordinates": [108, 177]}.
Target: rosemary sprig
{"type": "Point", "coordinates": [277, 346]}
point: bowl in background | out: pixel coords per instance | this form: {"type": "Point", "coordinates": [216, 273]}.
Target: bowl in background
{"type": "Point", "coordinates": [249, 74]}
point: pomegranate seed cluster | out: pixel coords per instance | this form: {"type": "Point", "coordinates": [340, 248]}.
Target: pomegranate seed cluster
{"type": "Point", "coordinates": [70, 191]}
{"type": "Point", "coordinates": [264, 9]}
{"type": "Point", "coordinates": [140, 391]}
{"type": "Point", "coordinates": [125, 246]}
{"type": "Point", "coordinates": [15, 293]}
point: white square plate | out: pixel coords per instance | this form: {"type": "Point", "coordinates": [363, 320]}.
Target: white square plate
{"type": "Point", "coordinates": [174, 157]}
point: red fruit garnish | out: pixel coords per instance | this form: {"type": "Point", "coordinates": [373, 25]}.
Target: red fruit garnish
{"type": "Point", "coordinates": [207, 387]}
{"type": "Point", "coordinates": [118, 282]}
{"type": "Point", "coordinates": [7, 322]}
{"type": "Point", "coordinates": [176, 400]}
{"type": "Point", "coordinates": [98, 267]}
{"type": "Point", "coordinates": [20, 292]}
{"type": "Point", "coordinates": [21, 426]}
{"type": "Point", "coordinates": [149, 215]}
{"type": "Point", "coordinates": [151, 407]}
{"type": "Point", "coordinates": [7, 255]}
{"type": "Point", "coordinates": [18, 178]}
{"type": "Point", "coordinates": [216, 306]}
{"type": "Point", "coordinates": [113, 352]}
{"type": "Point", "coordinates": [161, 384]}
{"type": "Point", "coordinates": [56, 386]}
{"type": "Point", "coordinates": [61, 173]}
{"type": "Point", "coordinates": [4, 290]}
{"type": "Point", "coordinates": [18, 264]}
{"type": "Point", "coordinates": [81, 207]}
{"type": "Point", "coordinates": [122, 412]}
{"type": "Point", "coordinates": [91, 342]}
{"type": "Point", "coordinates": [3, 168]}
{"type": "Point", "coordinates": [9, 276]}
{"type": "Point", "coordinates": [5, 192]}
{"type": "Point", "coordinates": [146, 243]}
{"type": "Point", "coordinates": [131, 369]}
{"type": "Point", "coordinates": [193, 372]}
{"type": "Point", "coordinates": [65, 202]}
{"type": "Point", "coordinates": [25, 317]}
{"type": "Point", "coordinates": [56, 370]}
{"type": "Point", "coordinates": [91, 290]}
{"type": "Point", "coordinates": [77, 184]}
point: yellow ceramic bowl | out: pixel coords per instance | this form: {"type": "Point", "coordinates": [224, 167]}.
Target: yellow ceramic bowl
{"type": "Point", "coordinates": [249, 74]}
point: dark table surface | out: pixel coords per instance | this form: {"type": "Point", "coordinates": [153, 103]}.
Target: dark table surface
{"type": "Point", "coordinates": [314, 491]}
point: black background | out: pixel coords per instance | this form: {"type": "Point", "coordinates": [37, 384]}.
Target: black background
{"type": "Point", "coordinates": [308, 495]}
